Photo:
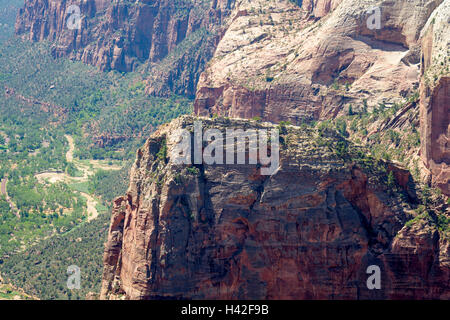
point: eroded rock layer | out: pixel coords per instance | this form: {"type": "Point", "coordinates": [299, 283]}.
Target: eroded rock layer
{"type": "Point", "coordinates": [309, 231]}
{"type": "Point", "coordinates": [279, 62]}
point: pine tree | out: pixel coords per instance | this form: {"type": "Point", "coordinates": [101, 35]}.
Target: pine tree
{"type": "Point", "coordinates": [391, 182]}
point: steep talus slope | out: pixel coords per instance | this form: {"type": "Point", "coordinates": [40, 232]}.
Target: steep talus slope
{"type": "Point", "coordinates": [278, 61]}
{"type": "Point", "coordinates": [309, 231]}
{"type": "Point", "coordinates": [120, 35]}
{"type": "Point", "coordinates": [435, 97]}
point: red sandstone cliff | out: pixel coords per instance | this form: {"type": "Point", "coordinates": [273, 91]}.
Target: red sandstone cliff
{"type": "Point", "coordinates": [435, 98]}
{"type": "Point", "coordinates": [282, 62]}
{"type": "Point", "coordinates": [307, 232]}
{"type": "Point", "coordinates": [122, 35]}
{"type": "Point", "coordinates": [320, 8]}
{"type": "Point", "coordinates": [310, 230]}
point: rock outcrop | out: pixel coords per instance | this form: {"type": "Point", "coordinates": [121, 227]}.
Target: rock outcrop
{"type": "Point", "coordinates": [320, 8]}
{"type": "Point", "coordinates": [122, 35]}
{"type": "Point", "coordinates": [279, 62]}
{"type": "Point", "coordinates": [309, 231]}
{"type": "Point", "coordinates": [435, 97]}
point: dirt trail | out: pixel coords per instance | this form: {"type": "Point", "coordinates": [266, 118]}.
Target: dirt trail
{"type": "Point", "coordinates": [69, 154]}
{"type": "Point", "coordinates": [4, 192]}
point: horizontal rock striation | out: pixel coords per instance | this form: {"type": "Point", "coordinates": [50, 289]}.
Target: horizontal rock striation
{"type": "Point", "coordinates": [309, 231]}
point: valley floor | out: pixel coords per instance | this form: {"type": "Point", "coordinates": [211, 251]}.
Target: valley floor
{"type": "Point", "coordinates": [87, 168]}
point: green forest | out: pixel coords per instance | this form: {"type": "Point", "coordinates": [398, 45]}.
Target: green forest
{"type": "Point", "coordinates": [109, 116]}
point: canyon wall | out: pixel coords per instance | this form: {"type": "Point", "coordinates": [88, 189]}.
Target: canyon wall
{"type": "Point", "coordinates": [435, 98]}
{"type": "Point", "coordinates": [121, 35]}
{"type": "Point", "coordinates": [309, 231]}
{"type": "Point", "coordinates": [320, 8]}
{"type": "Point", "coordinates": [279, 62]}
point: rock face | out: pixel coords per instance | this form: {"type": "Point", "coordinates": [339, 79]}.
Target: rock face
{"type": "Point", "coordinates": [320, 8]}
{"type": "Point", "coordinates": [279, 62]}
{"type": "Point", "coordinates": [121, 35]}
{"type": "Point", "coordinates": [309, 231]}
{"type": "Point", "coordinates": [435, 98]}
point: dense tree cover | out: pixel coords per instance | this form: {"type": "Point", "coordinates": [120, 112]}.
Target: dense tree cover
{"type": "Point", "coordinates": [109, 184]}
{"type": "Point", "coordinates": [31, 141]}
{"type": "Point", "coordinates": [42, 269]}
{"type": "Point", "coordinates": [109, 115]}
{"type": "Point", "coordinates": [96, 104]}
{"type": "Point", "coordinates": [45, 209]}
